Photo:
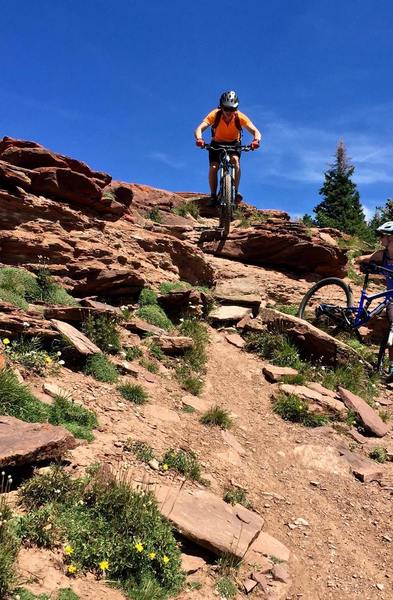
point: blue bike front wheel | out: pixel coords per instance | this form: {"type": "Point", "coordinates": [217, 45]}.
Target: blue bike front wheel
{"type": "Point", "coordinates": [323, 304]}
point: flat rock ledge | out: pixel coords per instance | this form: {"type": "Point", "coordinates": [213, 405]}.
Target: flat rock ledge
{"type": "Point", "coordinates": [25, 443]}
{"type": "Point", "coordinates": [209, 521]}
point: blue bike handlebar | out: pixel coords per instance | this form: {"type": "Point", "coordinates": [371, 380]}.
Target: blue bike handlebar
{"type": "Point", "coordinates": [239, 148]}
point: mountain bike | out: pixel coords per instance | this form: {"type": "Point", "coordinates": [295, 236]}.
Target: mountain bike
{"type": "Point", "coordinates": [329, 306]}
{"type": "Point", "coordinates": [226, 196]}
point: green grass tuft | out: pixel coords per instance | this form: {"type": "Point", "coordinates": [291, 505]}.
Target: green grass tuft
{"type": "Point", "coordinates": [379, 454]}
{"type": "Point", "coordinates": [174, 286]}
{"type": "Point", "coordinates": [141, 450]}
{"type": "Point", "coordinates": [77, 419]}
{"type": "Point", "coordinates": [16, 400]}
{"type": "Point", "coordinates": [9, 546]}
{"type": "Point", "coordinates": [184, 462]}
{"type": "Point", "coordinates": [147, 297]}
{"type": "Point", "coordinates": [101, 368]}
{"type": "Point", "coordinates": [291, 408]}
{"type": "Point", "coordinates": [217, 416]}
{"type": "Point", "coordinates": [133, 352]}
{"type": "Point", "coordinates": [155, 315]}
{"type": "Point", "coordinates": [235, 495]}
{"type": "Point", "coordinates": [133, 392]}
{"type": "Point", "coordinates": [103, 332]}
{"type": "Point", "coordinates": [187, 208]}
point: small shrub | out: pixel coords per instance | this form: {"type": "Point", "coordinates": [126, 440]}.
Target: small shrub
{"type": "Point", "coordinates": [141, 450]}
{"type": "Point", "coordinates": [50, 292]}
{"type": "Point", "coordinates": [291, 408]}
{"type": "Point", "coordinates": [188, 409]}
{"type": "Point", "coordinates": [16, 400]}
{"type": "Point", "coordinates": [101, 368]}
{"type": "Point", "coordinates": [187, 208]}
{"type": "Point", "coordinates": [154, 215]}
{"type": "Point", "coordinates": [29, 353]}
{"type": "Point", "coordinates": [77, 419]}
{"type": "Point", "coordinates": [385, 416]}
{"type": "Point", "coordinates": [226, 588]}
{"type": "Point", "coordinates": [133, 352]}
{"type": "Point", "coordinates": [149, 365]}
{"type": "Point", "coordinates": [20, 283]}
{"type": "Point", "coordinates": [67, 594]}
{"type": "Point", "coordinates": [379, 454]}
{"type": "Point", "coordinates": [104, 519]}
{"type": "Point", "coordinates": [235, 495]}
{"type": "Point", "coordinates": [174, 286]}
{"type": "Point", "coordinates": [189, 381]}
{"type": "Point", "coordinates": [298, 379]}
{"type": "Point", "coordinates": [183, 462]}
{"type": "Point", "coordinates": [13, 298]}
{"type": "Point", "coordinates": [103, 332]}
{"type": "Point", "coordinates": [192, 365]}
{"type": "Point", "coordinates": [147, 297]}
{"type": "Point", "coordinates": [353, 377]}
{"type": "Point", "coordinates": [217, 416]}
{"type": "Point", "coordinates": [155, 315]}
{"type": "Point", "coordinates": [24, 594]}
{"type": "Point", "coordinates": [133, 392]}
{"type": "Point", "coordinates": [288, 309]}
{"type": "Point", "coordinates": [274, 347]}
{"type": "Point", "coordinates": [9, 546]}
{"type": "Point", "coordinates": [156, 351]}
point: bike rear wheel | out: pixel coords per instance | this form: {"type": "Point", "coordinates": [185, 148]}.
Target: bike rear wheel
{"type": "Point", "coordinates": [333, 292]}
{"type": "Point", "coordinates": [226, 204]}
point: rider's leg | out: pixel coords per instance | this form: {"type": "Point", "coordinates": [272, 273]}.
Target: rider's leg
{"type": "Point", "coordinates": [389, 313]}
{"type": "Point", "coordinates": [213, 179]}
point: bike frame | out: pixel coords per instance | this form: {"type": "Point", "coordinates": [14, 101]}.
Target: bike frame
{"type": "Point", "coordinates": [225, 166]}
{"type": "Point", "coordinates": [361, 312]}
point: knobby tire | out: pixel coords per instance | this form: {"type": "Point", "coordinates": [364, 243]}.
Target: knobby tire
{"type": "Point", "coordinates": [329, 281]}
{"type": "Point", "coordinates": [226, 204]}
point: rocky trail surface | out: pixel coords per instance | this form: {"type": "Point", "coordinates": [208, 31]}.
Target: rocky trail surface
{"type": "Point", "coordinates": [319, 524]}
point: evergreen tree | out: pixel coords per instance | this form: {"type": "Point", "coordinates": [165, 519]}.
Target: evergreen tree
{"type": "Point", "coordinates": [341, 206]}
{"type": "Point", "coordinates": [381, 215]}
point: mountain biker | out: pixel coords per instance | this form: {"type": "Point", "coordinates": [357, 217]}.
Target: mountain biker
{"type": "Point", "coordinates": [226, 122]}
{"type": "Point", "coordinates": [385, 259]}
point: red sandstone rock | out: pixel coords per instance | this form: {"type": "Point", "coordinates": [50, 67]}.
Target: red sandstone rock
{"type": "Point", "coordinates": [371, 420]}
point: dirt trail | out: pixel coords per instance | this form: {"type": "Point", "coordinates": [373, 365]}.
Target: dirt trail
{"type": "Point", "coordinates": [341, 554]}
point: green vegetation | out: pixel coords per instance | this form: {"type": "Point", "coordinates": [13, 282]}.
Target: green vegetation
{"type": "Point", "coordinates": [154, 215]}
{"type": "Point", "coordinates": [133, 392]}
{"type": "Point", "coordinates": [9, 546]}
{"type": "Point", "coordinates": [105, 528]}
{"type": "Point", "coordinates": [184, 462]}
{"type": "Point", "coordinates": [21, 287]}
{"type": "Point", "coordinates": [236, 495]}
{"type": "Point", "coordinates": [192, 366]}
{"type": "Point", "coordinates": [275, 347]}
{"type": "Point", "coordinates": [149, 365]}
{"type": "Point", "coordinates": [101, 368]}
{"type": "Point", "coordinates": [354, 377]}
{"type": "Point", "coordinates": [174, 286]}
{"type": "Point", "coordinates": [16, 400]}
{"type": "Point", "coordinates": [226, 588]}
{"type": "Point", "coordinates": [133, 352]}
{"type": "Point", "coordinates": [141, 450]}
{"type": "Point", "coordinates": [155, 315]}
{"type": "Point", "coordinates": [74, 417]}
{"type": "Point", "coordinates": [341, 207]}
{"type": "Point", "coordinates": [187, 208]}
{"type": "Point", "coordinates": [291, 408]}
{"type": "Point", "coordinates": [147, 297]}
{"type": "Point", "coordinates": [288, 309]}
{"type": "Point", "coordinates": [217, 416]}
{"type": "Point", "coordinates": [188, 409]}
{"type": "Point", "coordinates": [103, 332]}
{"type": "Point", "coordinates": [24, 594]}
{"type": "Point", "coordinates": [29, 353]}
{"type": "Point", "coordinates": [379, 454]}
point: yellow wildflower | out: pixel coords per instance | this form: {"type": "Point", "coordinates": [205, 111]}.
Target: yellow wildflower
{"type": "Point", "coordinates": [71, 569]}
{"type": "Point", "coordinates": [104, 565]}
{"type": "Point", "coordinates": [68, 550]}
{"type": "Point", "coordinates": [6, 341]}
{"type": "Point", "coordinates": [152, 555]}
{"type": "Point", "coordinates": [48, 359]}
{"type": "Point", "coordinates": [165, 467]}
{"type": "Point", "coordinates": [165, 559]}
{"type": "Point", "coordinates": [139, 547]}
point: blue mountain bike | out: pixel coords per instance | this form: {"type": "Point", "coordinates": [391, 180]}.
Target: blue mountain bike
{"type": "Point", "coordinates": [329, 306]}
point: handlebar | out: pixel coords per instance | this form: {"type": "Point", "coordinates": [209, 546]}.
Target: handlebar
{"type": "Point", "coordinates": [239, 148]}
{"type": "Point", "coordinates": [375, 269]}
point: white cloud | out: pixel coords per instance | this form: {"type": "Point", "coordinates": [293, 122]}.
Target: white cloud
{"type": "Point", "coordinates": [302, 153]}
{"type": "Point", "coordinates": [167, 160]}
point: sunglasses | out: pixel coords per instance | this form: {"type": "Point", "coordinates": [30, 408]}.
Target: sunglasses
{"type": "Point", "coordinates": [228, 109]}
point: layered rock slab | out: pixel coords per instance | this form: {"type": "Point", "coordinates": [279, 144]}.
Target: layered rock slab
{"type": "Point", "coordinates": [209, 521]}
{"type": "Point", "coordinates": [24, 443]}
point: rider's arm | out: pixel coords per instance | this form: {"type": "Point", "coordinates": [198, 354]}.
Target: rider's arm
{"type": "Point", "coordinates": [200, 129]}
{"type": "Point", "coordinates": [376, 257]}
{"type": "Point", "coordinates": [254, 131]}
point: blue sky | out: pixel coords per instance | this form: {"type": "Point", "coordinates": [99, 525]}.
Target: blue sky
{"type": "Point", "coordinates": [122, 85]}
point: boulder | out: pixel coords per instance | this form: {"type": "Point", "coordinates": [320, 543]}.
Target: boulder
{"type": "Point", "coordinates": [209, 521]}
{"type": "Point", "coordinates": [266, 546]}
{"type": "Point", "coordinates": [228, 314]}
{"type": "Point", "coordinates": [191, 302]}
{"type": "Point", "coordinates": [14, 321]}
{"type": "Point", "coordinates": [78, 339]}
{"type": "Point", "coordinates": [311, 341]}
{"type": "Point", "coordinates": [25, 443]}
{"type": "Point", "coordinates": [274, 373]}
{"type": "Point", "coordinates": [288, 245]}
{"type": "Point", "coordinates": [235, 339]}
{"type": "Point", "coordinates": [252, 301]}
{"type": "Point", "coordinates": [173, 344]}
{"type": "Point", "coordinates": [370, 419]}
{"type": "Point", "coordinates": [324, 403]}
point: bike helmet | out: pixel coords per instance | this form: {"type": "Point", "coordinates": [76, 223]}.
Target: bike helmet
{"type": "Point", "coordinates": [385, 228]}
{"type": "Point", "coordinates": [229, 100]}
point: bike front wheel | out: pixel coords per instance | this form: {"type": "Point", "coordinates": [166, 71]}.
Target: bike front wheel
{"type": "Point", "coordinates": [226, 204]}
{"type": "Point", "coordinates": [334, 294]}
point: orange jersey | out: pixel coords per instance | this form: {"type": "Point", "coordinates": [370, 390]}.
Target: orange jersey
{"type": "Point", "coordinates": [227, 132]}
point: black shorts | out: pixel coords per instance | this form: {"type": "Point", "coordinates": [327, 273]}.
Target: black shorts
{"type": "Point", "coordinates": [389, 312]}
{"type": "Point", "coordinates": [214, 155]}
